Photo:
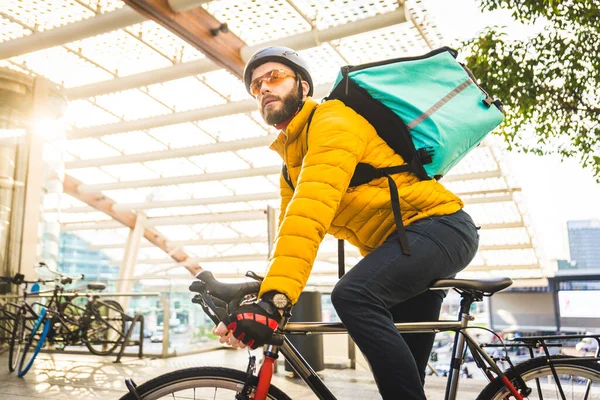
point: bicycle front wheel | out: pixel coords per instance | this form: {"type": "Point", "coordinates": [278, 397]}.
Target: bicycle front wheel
{"type": "Point", "coordinates": [35, 342]}
{"type": "Point", "coordinates": [578, 378]}
{"type": "Point", "coordinates": [200, 383]}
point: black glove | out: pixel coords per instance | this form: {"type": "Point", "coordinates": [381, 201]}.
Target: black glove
{"type": "Point", "coordinates": [253, 324]}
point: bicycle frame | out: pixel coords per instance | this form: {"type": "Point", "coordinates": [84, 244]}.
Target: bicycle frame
{"type": "Point", "coordinates": [462, 339]}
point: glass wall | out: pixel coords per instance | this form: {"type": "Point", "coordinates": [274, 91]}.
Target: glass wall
{"type": "Point", "coordinates": [75, 258]}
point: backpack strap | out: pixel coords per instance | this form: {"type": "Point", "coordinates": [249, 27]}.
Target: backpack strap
{"type": "Point", "coordinates": [341, 259]}
{"type": "Point", "coordinates": [365, 173]}
{"type": "Point", "coordinates": [286, 176]}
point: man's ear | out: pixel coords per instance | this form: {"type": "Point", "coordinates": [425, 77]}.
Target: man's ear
{"type": "Point", "coordinates": [305, 89]}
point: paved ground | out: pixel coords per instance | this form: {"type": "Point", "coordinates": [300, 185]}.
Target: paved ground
{"type": "Point", "coordinates": [68, 376]}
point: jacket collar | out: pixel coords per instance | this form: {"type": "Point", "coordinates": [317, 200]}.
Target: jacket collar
{"type": "Point", "coordinates": [294, 128]}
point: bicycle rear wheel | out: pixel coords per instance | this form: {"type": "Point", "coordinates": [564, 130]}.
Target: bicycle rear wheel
{"type": "Point", "coordinates": [106, 327]}
{"type": "Point", "coordinates": [579, 379]}
{"type": "Point", "coordinates": [200, 383]}
{"type": "Point", "coordinates": [17, 340]}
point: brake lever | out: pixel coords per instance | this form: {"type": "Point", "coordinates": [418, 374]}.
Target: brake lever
{"type": "Point", "coordinates": [220, 312]}
{"type": "Point", "coordinates": [198, 299]}
{"type": "Point", "coordinates": [253, 275]}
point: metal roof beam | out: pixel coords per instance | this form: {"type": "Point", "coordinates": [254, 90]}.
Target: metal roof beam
{"type": "Point", "coordinates": [217, 176]}
{"type": "Point", "coordinates": [300, 41]}
{"type": "Point", "coordinates": [197, 27]}
{"type": "Point", "coordinates": [178, 180]}
{"type": "Point", "coordinates": [488, 199]}
{"type": "Point", "coordinates": [174, 220]}
{"type": "Point", "coordinates": [91, 225]}
{"type": "Point", "coordinates": [193, 242]}
{"type": "Point", "coordinates": [199, 114]}
{"type": "Point", "coordinates": [198, 202]}
{"type": "Point", "coordinates": [326, 257]}
{"type": "Point", "coordinates": [232, 145]}
{"type": "Point", "coordinates": [208, 218]}
{"type": "Point", "coordinates": [222, 200]}
{"type": "Point", "coordinates": [488, 268]}
{"type": "Point", "coordinates": [470, 176]}
{"type": "Point", "coordinates": [315, 38]}
{"type": "Point", "coordinates": [516, 246]}
{"type": "Point", "coordinates": [503, 225]}
{"type": "Point", "coordinates": [93, 26]}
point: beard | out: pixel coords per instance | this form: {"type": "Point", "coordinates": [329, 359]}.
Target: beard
{"type": "Point", "coordinates": [289, 106]}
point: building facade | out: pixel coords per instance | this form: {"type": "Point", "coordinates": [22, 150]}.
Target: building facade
{"type": "Point", "coordinates": [584, 243]}
{"type": "Point", "coordinates": [75, 258]}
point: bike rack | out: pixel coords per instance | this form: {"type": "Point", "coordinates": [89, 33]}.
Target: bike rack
{"type": "Point", "coordinates": [138, 318]}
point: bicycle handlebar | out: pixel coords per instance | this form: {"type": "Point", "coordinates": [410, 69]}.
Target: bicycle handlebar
{"type": "Point", "coordinates": [219, 299]}
{"type": "Point", "coordinates": [65, 279]}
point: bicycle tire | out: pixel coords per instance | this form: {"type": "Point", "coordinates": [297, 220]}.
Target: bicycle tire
{"type": "Point", "coordinates": [6, 326]}
{"type": "Point", "coordinates": [43, 323]}
{"type": "Point", "coordinates": [16, 341]}
{"type": "Point", "coordinates": [112, 326]}
{"type": "Point", "coordinates": [71, 314]}
{"type": "Point", "coordinates": [539, 368]}
{"type": "Point", "coordinates": [190, 380]}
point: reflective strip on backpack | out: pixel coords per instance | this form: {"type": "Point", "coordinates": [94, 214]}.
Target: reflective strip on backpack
{"type": "Point", "coordinates": [439, 104]}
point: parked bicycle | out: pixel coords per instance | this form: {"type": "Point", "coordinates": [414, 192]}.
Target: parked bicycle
{"type": "Point", "coordinates": [8, 311]}
{"type": "Point", "coordinates": [545, 377]}
{"type": "Point", "coordinates": [18, 319]}
{"type": "Point", "coordinates": [67, 318]}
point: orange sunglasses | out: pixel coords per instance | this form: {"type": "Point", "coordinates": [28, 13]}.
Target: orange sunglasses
{"type": "Point", "coordinates": [273, 77]}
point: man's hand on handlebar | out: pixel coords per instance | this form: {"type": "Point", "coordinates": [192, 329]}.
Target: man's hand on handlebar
{"type": "Point", "coordinates": [250, 325]}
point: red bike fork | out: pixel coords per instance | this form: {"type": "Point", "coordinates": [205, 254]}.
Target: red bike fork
{"type": "Point", "coordinates": [512, 389]}
{"type": "Point", "coordinates": [264, 378]}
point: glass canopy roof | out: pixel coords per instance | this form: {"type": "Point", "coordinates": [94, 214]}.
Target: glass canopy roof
{"type": "Point", "coordinates": [189, 150]}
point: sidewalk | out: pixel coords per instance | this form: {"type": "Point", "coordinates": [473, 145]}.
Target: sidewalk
{"type": "Point", "coordinates": [74, 377]}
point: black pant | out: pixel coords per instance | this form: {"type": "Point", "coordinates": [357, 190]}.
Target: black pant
{"type": "Point", "coordinates": [387, 286]}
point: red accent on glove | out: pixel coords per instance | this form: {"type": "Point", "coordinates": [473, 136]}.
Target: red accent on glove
{"type": "Point", "coordinates": [232, 326]}
{"type": "Point", "coordinates": [273, 324]}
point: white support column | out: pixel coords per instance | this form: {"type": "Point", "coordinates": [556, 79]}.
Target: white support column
{"type": "Point", "coordinates": [130, 257]}
{"type": "Point", "coordinates": [33, 182]}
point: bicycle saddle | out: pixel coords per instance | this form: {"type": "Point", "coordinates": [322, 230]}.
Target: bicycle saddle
{"type": "Point", "coordinates": [471, 285]}
{"type": "Point", "coordinates": [96, 286]}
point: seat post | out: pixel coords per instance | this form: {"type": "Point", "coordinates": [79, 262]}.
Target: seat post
{"type": "Point", "coordinates": [467, 299]}
{"type": "Point", "coordinates": [464, 316]}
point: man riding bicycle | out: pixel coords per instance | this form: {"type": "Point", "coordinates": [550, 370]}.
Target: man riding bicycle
{"type": "Point", "coordinates": [386, 285]}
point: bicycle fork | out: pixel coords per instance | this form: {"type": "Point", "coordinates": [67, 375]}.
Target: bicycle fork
{"type": "Point", "coordinates": [264, 378]}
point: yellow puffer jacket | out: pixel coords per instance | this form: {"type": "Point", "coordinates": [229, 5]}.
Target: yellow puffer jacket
{"type": "Point", "coordinates": [320, 168]}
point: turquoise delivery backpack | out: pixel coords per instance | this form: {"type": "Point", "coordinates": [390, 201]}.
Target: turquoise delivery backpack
{"type": "Point", "coordinates": [429, 109]}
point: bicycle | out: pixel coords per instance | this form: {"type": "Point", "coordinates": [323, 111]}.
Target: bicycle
{"type": "Point", "coordinates": [99, 324]}
{"type": "Point", "coordinates": [21, 317]}
{"type": "Point", "coordinates": [537, 378]}
{"type": "Point", "coordinates": [60, 321]}
{"type": "Point", "coordinates": [7, 312]}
